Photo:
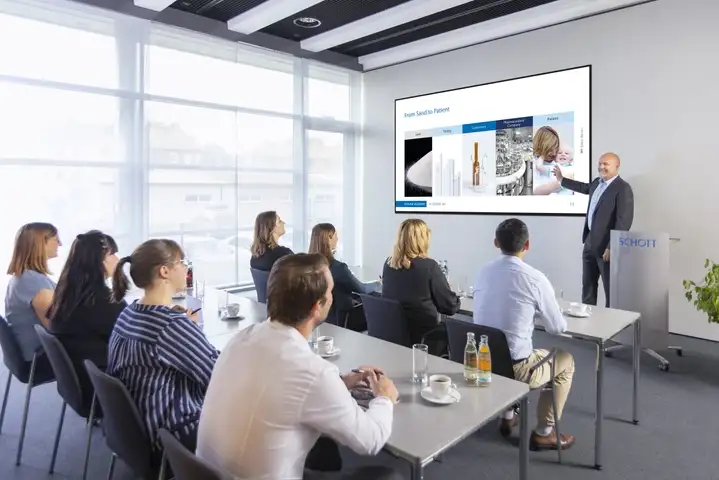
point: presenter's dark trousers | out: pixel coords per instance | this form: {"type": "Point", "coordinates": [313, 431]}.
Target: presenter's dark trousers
{"type": "Point", "coordinates": [593, 267]}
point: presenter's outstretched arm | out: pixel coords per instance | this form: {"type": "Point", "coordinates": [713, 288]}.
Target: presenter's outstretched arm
{"type": "Point", "coordinates": [574, 185]}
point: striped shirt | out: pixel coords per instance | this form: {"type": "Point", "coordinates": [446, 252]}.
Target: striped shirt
{"type": "Point", "coordinates": [165, 361]}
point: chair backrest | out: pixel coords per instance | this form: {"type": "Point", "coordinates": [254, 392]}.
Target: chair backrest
{"type": "Point", "coordinates": [124, 431]}
{"type": "Point", "coordinates": [11, 353]}
{"type": "Point", "coordinates": [184, 464]}
{"type": "Point", "coordinates": [260, 278]}
{"type": "Point", "coordinates": [68, 384]}
{"type": "Point", "coordinates": [386, 320]}
{"type": "Point", "coordinates": [457, 330]}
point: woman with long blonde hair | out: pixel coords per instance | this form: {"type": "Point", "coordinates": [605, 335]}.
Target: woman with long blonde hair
{"type": "Point", "coordinates": [324, 241]}
{"type": "Point", "coordinates": [416, 281]}
{"type": "Point", "coordinates": [30, 290]}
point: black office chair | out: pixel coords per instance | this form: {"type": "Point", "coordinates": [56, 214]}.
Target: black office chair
{"type": "Point", "coordinates": [260, 278]}
{"type": "Point", "coordinates": [502, 363]}
{"type": "Point", "coordinates": [183, 463]}
{"type": "Point", "coordinates": [34, 373]}
{"type": "Point", "coordinates": [385, 320]}
{"type": "Point", "coordinates": [341, 318]}
{"type": "Point", "coordinates": [68, 386]}
{"type": "Point", "coordinates": [125, 433]}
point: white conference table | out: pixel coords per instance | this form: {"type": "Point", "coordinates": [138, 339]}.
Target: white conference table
{"type": "Point", "coordinates": [421, 431]}
{"type": "Point", "coordinates": [603, 325]}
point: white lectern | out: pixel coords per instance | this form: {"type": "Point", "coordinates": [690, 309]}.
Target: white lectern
{"type": "Point", "coordinates": [639, 282]}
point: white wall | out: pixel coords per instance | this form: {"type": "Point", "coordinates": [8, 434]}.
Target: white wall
{"type": "Point", "coordinates": [655, 102]}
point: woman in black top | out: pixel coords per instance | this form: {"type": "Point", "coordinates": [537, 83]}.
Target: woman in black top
{"type": "Point", "coordinates": [417, 282]}
{"type": "Point", "coordinates": [83, 314]}
{"type": "Point", "coordinates": [324, 241]}
{"type": "Point", "coordinates": [269, 227]}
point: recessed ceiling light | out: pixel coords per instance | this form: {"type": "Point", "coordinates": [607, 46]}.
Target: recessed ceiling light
{"type": "Point", "coordinates": [307, 22]}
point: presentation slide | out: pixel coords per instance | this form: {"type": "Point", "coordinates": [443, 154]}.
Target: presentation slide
{"type": "Point", "coordinates": [493, 148]}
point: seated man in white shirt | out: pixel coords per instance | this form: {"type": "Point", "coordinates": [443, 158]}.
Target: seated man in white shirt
{"type": "Point", "coordinates": [508, 295]}
{"type": "Point", "coordinates": [271, 397]}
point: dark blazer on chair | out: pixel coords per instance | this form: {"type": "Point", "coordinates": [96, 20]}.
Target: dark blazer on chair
{"type": "Point", "coordinates": [615, 211]}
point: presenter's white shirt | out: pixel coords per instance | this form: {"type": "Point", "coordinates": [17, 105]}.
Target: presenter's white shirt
{"type": "Point", "coordinates": [509, 295]}
{"type": "Point", "coordinates": [270, 398]}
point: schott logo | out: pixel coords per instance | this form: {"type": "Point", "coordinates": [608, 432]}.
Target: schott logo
{"type": "Point", "coordinates": [638, 242]}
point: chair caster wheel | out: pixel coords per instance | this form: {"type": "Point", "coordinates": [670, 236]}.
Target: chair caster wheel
{"type": "Point", "coordinates": [664, 367]}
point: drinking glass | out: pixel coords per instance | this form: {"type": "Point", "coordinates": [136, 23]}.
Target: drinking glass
{"type": "Point", "coordinates": [222, 301]}
{"type": "Point", "coordinates": [199, 290]}
{"type": "Point", "coordinates": [463, 289]}
{"type": "Point", "coordinates": [420, 357]}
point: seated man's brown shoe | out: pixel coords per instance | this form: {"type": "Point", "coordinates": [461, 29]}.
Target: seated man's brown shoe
{"type": "Point", "coordinates": [538, 442]}
{"type": "Point", "coordinates": [506, 426]}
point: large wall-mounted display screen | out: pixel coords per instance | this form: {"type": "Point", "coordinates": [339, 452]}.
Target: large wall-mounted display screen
{"type": "Point", "coordinates": [493, 148]}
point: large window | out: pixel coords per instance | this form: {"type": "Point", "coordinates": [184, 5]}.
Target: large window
{"type": "Point", "coordinates": [145, 131]}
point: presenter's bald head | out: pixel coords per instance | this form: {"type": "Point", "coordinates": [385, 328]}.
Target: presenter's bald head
{"type": "Point", "coordinates": [608, 165]}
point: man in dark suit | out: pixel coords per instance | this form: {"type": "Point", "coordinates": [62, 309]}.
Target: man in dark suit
{"type": "Point", "coordinates": [611, 207]}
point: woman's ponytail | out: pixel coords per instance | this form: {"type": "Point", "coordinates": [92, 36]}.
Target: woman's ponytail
{"type": "Point", "coordinates": [120, 282]}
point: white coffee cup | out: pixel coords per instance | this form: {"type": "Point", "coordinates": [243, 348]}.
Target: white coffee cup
{"type": "Point", "coordinates": [325, 345]}
{"type": "Point", "coordinates": [233, 309]}
{"type": "Point", "coordinates": [440, 385]}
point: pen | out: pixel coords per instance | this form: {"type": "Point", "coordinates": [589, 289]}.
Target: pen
{"type": "Point", "coordinates": [195, 311]}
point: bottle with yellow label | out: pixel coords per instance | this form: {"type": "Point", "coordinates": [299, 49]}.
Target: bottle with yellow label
{"type": "Point", "coordinates": [484, 361]}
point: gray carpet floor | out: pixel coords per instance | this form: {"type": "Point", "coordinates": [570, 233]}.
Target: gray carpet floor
{"type": "Point", "coordinates": [676, 438]}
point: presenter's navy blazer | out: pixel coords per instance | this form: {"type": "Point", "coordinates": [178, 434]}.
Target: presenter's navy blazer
{"type": "Point", "coordinates": [614, 211]}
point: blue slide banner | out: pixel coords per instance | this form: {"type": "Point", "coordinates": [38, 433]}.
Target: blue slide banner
{"type": "Point", "coordinates": [410, 204]}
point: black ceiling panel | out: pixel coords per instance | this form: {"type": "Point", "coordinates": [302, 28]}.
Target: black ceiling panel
{"type": "Point", "coordinates": [465, 15]}
{"type": "Point", "coordinates": [332, 14]}
{"type": "Point", "coordinates": [221, 10]}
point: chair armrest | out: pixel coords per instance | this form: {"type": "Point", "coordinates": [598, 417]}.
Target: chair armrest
{"type": "Point", "coordinates": [547, 359]}
{"type": "Point", "coordinates": [356, 300]}
{"type": "Point", "coordinates": [438, 327]}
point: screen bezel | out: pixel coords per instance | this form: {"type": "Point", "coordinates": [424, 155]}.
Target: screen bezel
{"type": "Point", "coordinates": [532, 214]}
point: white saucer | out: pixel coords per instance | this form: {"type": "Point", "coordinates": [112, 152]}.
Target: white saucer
{"type": "Point", "coordinates": [453, 396]}
{"type": "Point", "coordinates": [574, 313]}
{"type": "Point", "coordinates": [331, 354]}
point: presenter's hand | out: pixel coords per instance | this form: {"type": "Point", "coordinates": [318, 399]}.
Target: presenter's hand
{"type": "Point", "coordinates": [558, 173]}
{"type": "Point", "coordinates": [605, 257]}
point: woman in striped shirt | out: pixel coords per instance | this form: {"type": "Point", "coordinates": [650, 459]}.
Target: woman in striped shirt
{"type": "Point", "coordinates": [156, 349]}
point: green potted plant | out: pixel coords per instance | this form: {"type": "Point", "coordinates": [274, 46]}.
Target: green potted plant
{"type": "Point", "coordinates": [706, 295]}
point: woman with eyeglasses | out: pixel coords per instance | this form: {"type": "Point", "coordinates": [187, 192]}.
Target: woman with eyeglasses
{"type": "Point", "coordinates": [156, 349]}
{"type": "Point", "coordinates": [30, 290]}
{"type": "Point", "coordinates": [83, 312]}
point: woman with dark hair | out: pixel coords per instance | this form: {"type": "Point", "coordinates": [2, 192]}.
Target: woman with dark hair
{"type": "Point", "coordinates": [83, 313]}
{"type": "Point", "coordinates": [157, 349]}
{"type": "Point", "coordinates": [269, 227]}
{"type": "Point", "coordinates": [30, 290]}
{"type": "Point", "coordinates": [324, 241]}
